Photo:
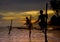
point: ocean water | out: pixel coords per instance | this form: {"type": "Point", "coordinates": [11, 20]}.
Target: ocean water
{"type": "Point", "coordinates": [22, 35]}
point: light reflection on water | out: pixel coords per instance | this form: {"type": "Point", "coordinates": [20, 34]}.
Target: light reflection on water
{"type": "Point", "coordinates": [22, 35]}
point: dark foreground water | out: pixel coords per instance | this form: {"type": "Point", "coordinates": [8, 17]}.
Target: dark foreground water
{"type": "Point", "coordinates": [21, 35]}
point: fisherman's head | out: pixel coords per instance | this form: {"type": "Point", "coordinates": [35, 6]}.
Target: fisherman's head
{"type": "Point", "coordinates": [41, 11]}
{"type": "Point", "coordinates": [27, 18]}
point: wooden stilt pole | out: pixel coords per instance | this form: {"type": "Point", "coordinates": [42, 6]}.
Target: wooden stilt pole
{"type": "Point", "coordinates": [30, 25]}
{"type": "Point", "coordinates": [10, 28]}
{"type": "Point", "coordinates": [46, 24]}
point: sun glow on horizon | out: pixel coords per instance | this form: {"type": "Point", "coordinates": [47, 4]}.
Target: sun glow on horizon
{"type": "Point", "coordinates": [22, 15]}
{"type": "Point", "coordinates": [49, 12]}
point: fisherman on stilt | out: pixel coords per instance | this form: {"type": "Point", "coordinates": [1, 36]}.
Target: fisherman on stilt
{"type": "Point", "coordinates": [29, 25]}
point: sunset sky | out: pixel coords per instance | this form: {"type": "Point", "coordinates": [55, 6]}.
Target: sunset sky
{"type": "Point", "coordinates": [19, 9]}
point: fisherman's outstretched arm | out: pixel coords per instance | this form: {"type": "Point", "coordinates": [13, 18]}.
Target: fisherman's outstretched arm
{"type": "Point", "coordinates": [37, 20]}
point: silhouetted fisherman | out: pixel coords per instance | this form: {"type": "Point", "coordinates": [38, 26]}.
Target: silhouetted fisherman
{"type": "Point", "coordinates": [10, 28]}
{"type": "Point", "coordinates": [28, 23]}
{"type": "Point", "coordinates": [43, 23]}
{"type": "Point", "coordinates": [42, 20]}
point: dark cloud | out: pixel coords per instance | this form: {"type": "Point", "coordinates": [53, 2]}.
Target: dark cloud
{"type": "Point", "coordinates": [22, 5]}
{"type": "Point", "coordinates": [23, 1]}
